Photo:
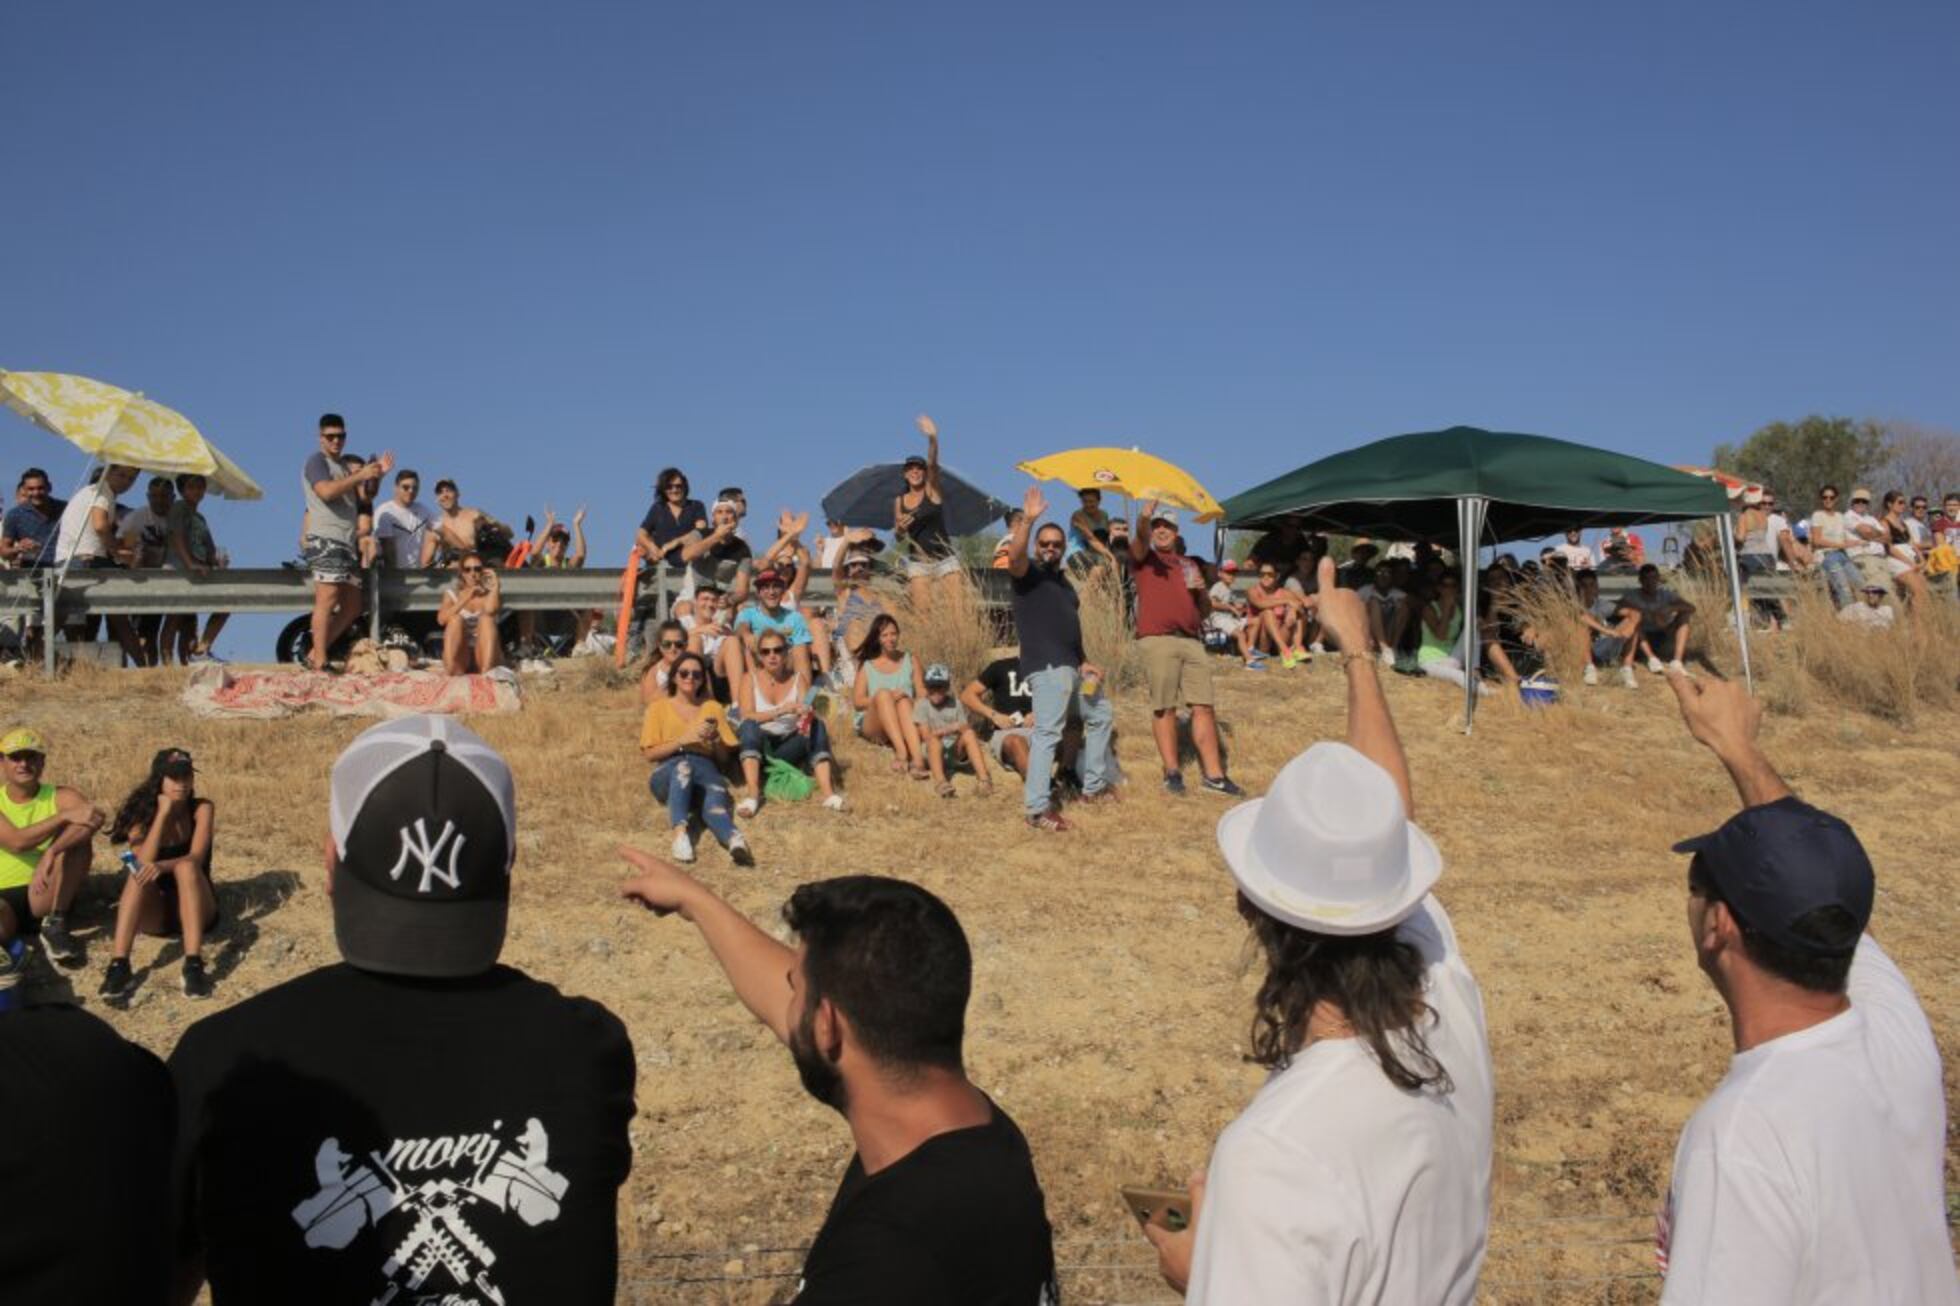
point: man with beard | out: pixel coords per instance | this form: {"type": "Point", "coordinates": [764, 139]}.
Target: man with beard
{"type": "Point", "coordinates": [940, 1203]}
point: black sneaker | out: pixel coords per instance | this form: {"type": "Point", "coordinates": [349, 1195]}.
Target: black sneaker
{"type": "Point", "coordinates": [1223, 784]}
{"type": "Point", "coordinates": [115, 980]}
{"type": "Point", "coordinates": [197, 984]}
{"type": "Point", "coordinates": [1174, 783]}
{"type": "Point", "coordinates": [61, 945]}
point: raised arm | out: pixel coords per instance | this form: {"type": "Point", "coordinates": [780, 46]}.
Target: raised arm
{"type": "Point", "coordinates": [577, 556]}
{"type": "Point", "coordinates": [1140, 530]}
{"type": "Point", "coordinates": [1033, 504]}
{"type": "Point", "coordinates": [757, 966]}
{"type": "Point", "coordinates": [931, 433]}
{"type": "Point", "coordinates": [1371, 730]}
{"type": "Point", "coordinates": [1722, 716]}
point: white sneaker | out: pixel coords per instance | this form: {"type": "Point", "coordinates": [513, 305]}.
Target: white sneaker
{"type": "Point", "coordinates": [834, 803]}
{"type": "Point", "coordinates": [1676, 666]}
{"type": "Point", "coordinates": [747, 807]}
{"type": "Point", "coordinates": [1388, 658]}
{"type": "Point", "coordinates": [1654, 665]}
{"type": "Point", "coordinates": [1592, 674]}
{"type": "Point", "coordinates": [683, 849]}
{"type": "Point", "coordinates": [1316, 648]}
{"type": "Point", "coordinates": [1626, 678]}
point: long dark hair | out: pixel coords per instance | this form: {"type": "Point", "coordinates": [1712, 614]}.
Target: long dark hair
{"type": "Point", "coordinates": [140, 807]}
{"type": "Point", "coordinates": [674, 674]}
{"type": "Point", "coordinates": [869, 647]}
{"type": "Point", "coordinates": [1375, 980]}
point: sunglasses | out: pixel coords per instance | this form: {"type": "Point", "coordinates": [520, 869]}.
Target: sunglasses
{"type": "Point", "coordinates": [26, 758]}
{"type": "Point", "coordinates": [471, 571]}
{"type": "Point", "coordinates": [771, 650]}
{"type": "Point", "coordinates": [672, 643]}
{"type": "Point", "coordinates": [689, 674]}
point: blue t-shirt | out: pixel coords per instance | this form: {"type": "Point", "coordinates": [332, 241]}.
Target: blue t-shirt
{"type": "Point", "coordinates": [24, 522]}
{"type": "Point", "coordinates": [787, 622]}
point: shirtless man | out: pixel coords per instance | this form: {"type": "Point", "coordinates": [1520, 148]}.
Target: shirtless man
{"type": "Point", "coordinates": [459, 525]}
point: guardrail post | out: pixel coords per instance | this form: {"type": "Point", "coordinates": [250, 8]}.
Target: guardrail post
{"type": "Point", "coordinates": [50, 591]}
{"type": "Point", "coordinates": [374, 603]}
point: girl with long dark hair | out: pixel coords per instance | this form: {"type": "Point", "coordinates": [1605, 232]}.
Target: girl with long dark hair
{"type": "Point", "coordinates": [889, 682]}
{"type": "Point", "coordinates": [169, 830]}
{"type": "Point", "coordinates": [687, 737]}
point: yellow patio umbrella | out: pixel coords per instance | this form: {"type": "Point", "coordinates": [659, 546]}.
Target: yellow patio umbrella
{"type": "Point", "coordinates": [114, 425]}
{"type": "Point", "coordinates": [1128, 471]}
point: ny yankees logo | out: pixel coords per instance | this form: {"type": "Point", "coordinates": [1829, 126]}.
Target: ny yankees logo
{"type": "Point", "coordinates": [429, 854]}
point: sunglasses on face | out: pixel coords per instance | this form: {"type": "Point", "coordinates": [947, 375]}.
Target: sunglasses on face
{"type": "Point", "coordinates": [687, 675]}
{"type": "Point", "coordinates": [671, 643]}
{"type": "Point", "coordinates": [26, 759]}
{"type": "Point", "coordinates": [333, 435]}
{"type": "Point", "coordinates": [771, 650]}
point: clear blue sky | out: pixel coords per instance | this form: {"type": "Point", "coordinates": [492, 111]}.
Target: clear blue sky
{"type": "Point", "coordinates": [548, 249]}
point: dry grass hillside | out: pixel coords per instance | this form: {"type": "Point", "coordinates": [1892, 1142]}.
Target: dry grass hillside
{"type": "Point", "coordinates": [1111, 1004]}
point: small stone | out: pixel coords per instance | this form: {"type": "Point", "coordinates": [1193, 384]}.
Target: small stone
{"type": "Point", "coordinates": [735, 1267]}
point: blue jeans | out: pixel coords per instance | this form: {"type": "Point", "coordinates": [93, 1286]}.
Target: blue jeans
{"type": "Point", "coordinates": [798, 748]}
{"type": "Point", "coordinates": [687, 780]}
{"type": "Point", "coordinates": [1841, 574]}
{"type": "Point", "coordinates": [1054, 691]}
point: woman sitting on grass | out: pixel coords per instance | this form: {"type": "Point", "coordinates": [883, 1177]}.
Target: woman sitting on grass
{"type": "Point", "coordinates": [777, 722]}
{"type": "Point", "coordinates": [686, 736]}
{"type": "Point", "coordinates": [888, 684]}
{"type": "Point", "coordinates": [669, 642]}
{"type": "Point", "coordinates": [1280, 616]}
{"type": "Point", "coordinates": [169, 829]}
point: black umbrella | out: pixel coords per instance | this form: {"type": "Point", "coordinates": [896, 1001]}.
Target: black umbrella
{"type": "Point", "coordinates": [865, 499]}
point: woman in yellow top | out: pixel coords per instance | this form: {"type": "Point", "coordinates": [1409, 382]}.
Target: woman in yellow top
{"type": "Point", "coordinates": [687, 737]}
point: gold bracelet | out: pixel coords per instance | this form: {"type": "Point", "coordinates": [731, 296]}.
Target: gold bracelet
{"type": "Point", "coordinates": [1349, 658]}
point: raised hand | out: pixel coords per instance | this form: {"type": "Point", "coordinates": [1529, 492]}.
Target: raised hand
{"type": "Point", "coordinates": [1718, 713]}
{"type": "Point", "coordinates": [927, 428]}
{"type": "Point", "coordinates": [578, 518]}
{"type": "Point", "coordinates": [1033, 504]}
{"type": "Point", "coordinates": [657, 885]}
{"type": "Point", "coordinates": [1341, 611]}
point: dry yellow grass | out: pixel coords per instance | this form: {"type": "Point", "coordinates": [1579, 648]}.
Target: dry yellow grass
{"type": "Point", "coordinates": [1111, 1005]}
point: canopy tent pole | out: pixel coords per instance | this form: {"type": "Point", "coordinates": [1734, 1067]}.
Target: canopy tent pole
{"type": "Point", "coordinates": [1730, 564]}
{"type": "Point", "coordinates": [1470, 512]}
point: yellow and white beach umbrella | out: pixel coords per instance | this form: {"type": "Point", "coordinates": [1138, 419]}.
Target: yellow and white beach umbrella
{"type": "Point", "coordinates": [115, 425]}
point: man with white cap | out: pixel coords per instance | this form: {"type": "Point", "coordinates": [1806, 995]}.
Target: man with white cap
{"type": "Point", "coordinates": [416, 1123]}
{"type": "Point", "coordinates": [1361, 1170]}
{"type": "Point", "coordinates": [1814, 1172]}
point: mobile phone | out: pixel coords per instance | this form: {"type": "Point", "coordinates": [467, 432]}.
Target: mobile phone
{"type": "Point", "coordinates": [1169, 1207]}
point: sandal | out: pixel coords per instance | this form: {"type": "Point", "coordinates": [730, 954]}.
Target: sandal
{"type": "Point", "coordinates": [919, 772]}
{"type": "Point", "coordinates": [945, 788]}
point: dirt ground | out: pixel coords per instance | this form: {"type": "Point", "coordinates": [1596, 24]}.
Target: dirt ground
{"type": "Point", "coordinates": [1111, 1001]}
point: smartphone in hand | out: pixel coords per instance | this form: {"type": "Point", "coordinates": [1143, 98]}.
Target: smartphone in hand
{"type": "Point", "coordinates": [1169, 1208]}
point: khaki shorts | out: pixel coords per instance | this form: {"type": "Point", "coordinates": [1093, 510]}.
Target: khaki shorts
{"type": "Point", "coordinates": [1177, 672]}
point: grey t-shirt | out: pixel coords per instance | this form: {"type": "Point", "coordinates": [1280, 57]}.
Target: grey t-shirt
{"type": "Point", "coordinates": [330, 519]}
{"type": "Point", "coordinates": [938, 718]}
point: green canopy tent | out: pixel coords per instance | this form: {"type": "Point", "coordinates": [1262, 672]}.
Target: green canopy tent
{"type": "Point", "coordinates": [1477, 486]}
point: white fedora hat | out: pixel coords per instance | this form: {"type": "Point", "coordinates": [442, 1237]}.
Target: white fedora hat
{"type": "Point", "coordinates": [1329, 847]}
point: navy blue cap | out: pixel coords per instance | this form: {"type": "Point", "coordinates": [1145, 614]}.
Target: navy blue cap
{"type": "Point", "coordinates": [1776, 862]}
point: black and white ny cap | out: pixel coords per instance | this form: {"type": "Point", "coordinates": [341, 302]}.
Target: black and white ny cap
{"type": "Point", "coordinates": [423, 815]}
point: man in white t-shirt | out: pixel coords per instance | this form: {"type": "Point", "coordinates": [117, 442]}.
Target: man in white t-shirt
{"type": "Point", "coordinates": [1577, 556]}
{"type": "Point", "coordinates": [406, 528]}
{"type": "Point", "coordinates": [1866, 537]}
{"type": "Point", "coordinates": [1361, 1170]}
{"type": "Point", "coordinates": [1814, 1172]}
{"type": "Point", "coordinates": [87, 537]}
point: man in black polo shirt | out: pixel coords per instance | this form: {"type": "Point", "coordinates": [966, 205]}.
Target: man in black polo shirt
{"type": "Point", "coordinates": [1056, 671]}
{"type": "Point", "coordinates": [940, 1204]}
{"type": "Point", "coordinates": [417, 1124]}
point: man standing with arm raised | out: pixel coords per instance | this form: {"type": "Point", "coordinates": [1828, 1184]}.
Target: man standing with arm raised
{"type": "Point", "coordinates": [941, 1203]}
{"type": "Point", "coordinates": [1813, 1172]}
{"type": "Point", "coordinates": [331, 537]}
{"type": "Point", "coordinates": [1058, 673]}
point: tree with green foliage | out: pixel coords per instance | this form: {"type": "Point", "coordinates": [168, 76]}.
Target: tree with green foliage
{"type": "Point", "coordinates": [1795, 458]}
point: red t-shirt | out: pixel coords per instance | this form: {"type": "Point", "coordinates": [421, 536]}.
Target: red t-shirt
{"type": "Point", "coordinates": [1165, 604]}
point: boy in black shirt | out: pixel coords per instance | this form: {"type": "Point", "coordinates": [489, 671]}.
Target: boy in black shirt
{"type": "Point", "coordinates": [418, 1123]}
{"type": "Point", "coordinates": [941, 1203]}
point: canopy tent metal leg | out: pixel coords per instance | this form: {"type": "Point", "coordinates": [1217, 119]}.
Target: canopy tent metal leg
{"type": "Point", "coordinates": [1470, 513]}
{"type": "Point", "coordinates": [1726, 528]}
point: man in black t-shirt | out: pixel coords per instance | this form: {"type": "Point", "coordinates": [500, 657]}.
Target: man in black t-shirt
{"type": "Point", "coordinates": [941, 1203]}
{"type": "Point", "coordinates": [1061, 680]}
{"type": "Point", "coordinates": [418, 1124]}
{"type": "Point", "coordinates": [85, 1219]}
{"type": "Point", "coordinates": [999, 696]}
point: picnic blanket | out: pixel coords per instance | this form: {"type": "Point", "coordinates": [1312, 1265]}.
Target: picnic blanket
{"type": "Point", "coordinates": [221, 691]}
